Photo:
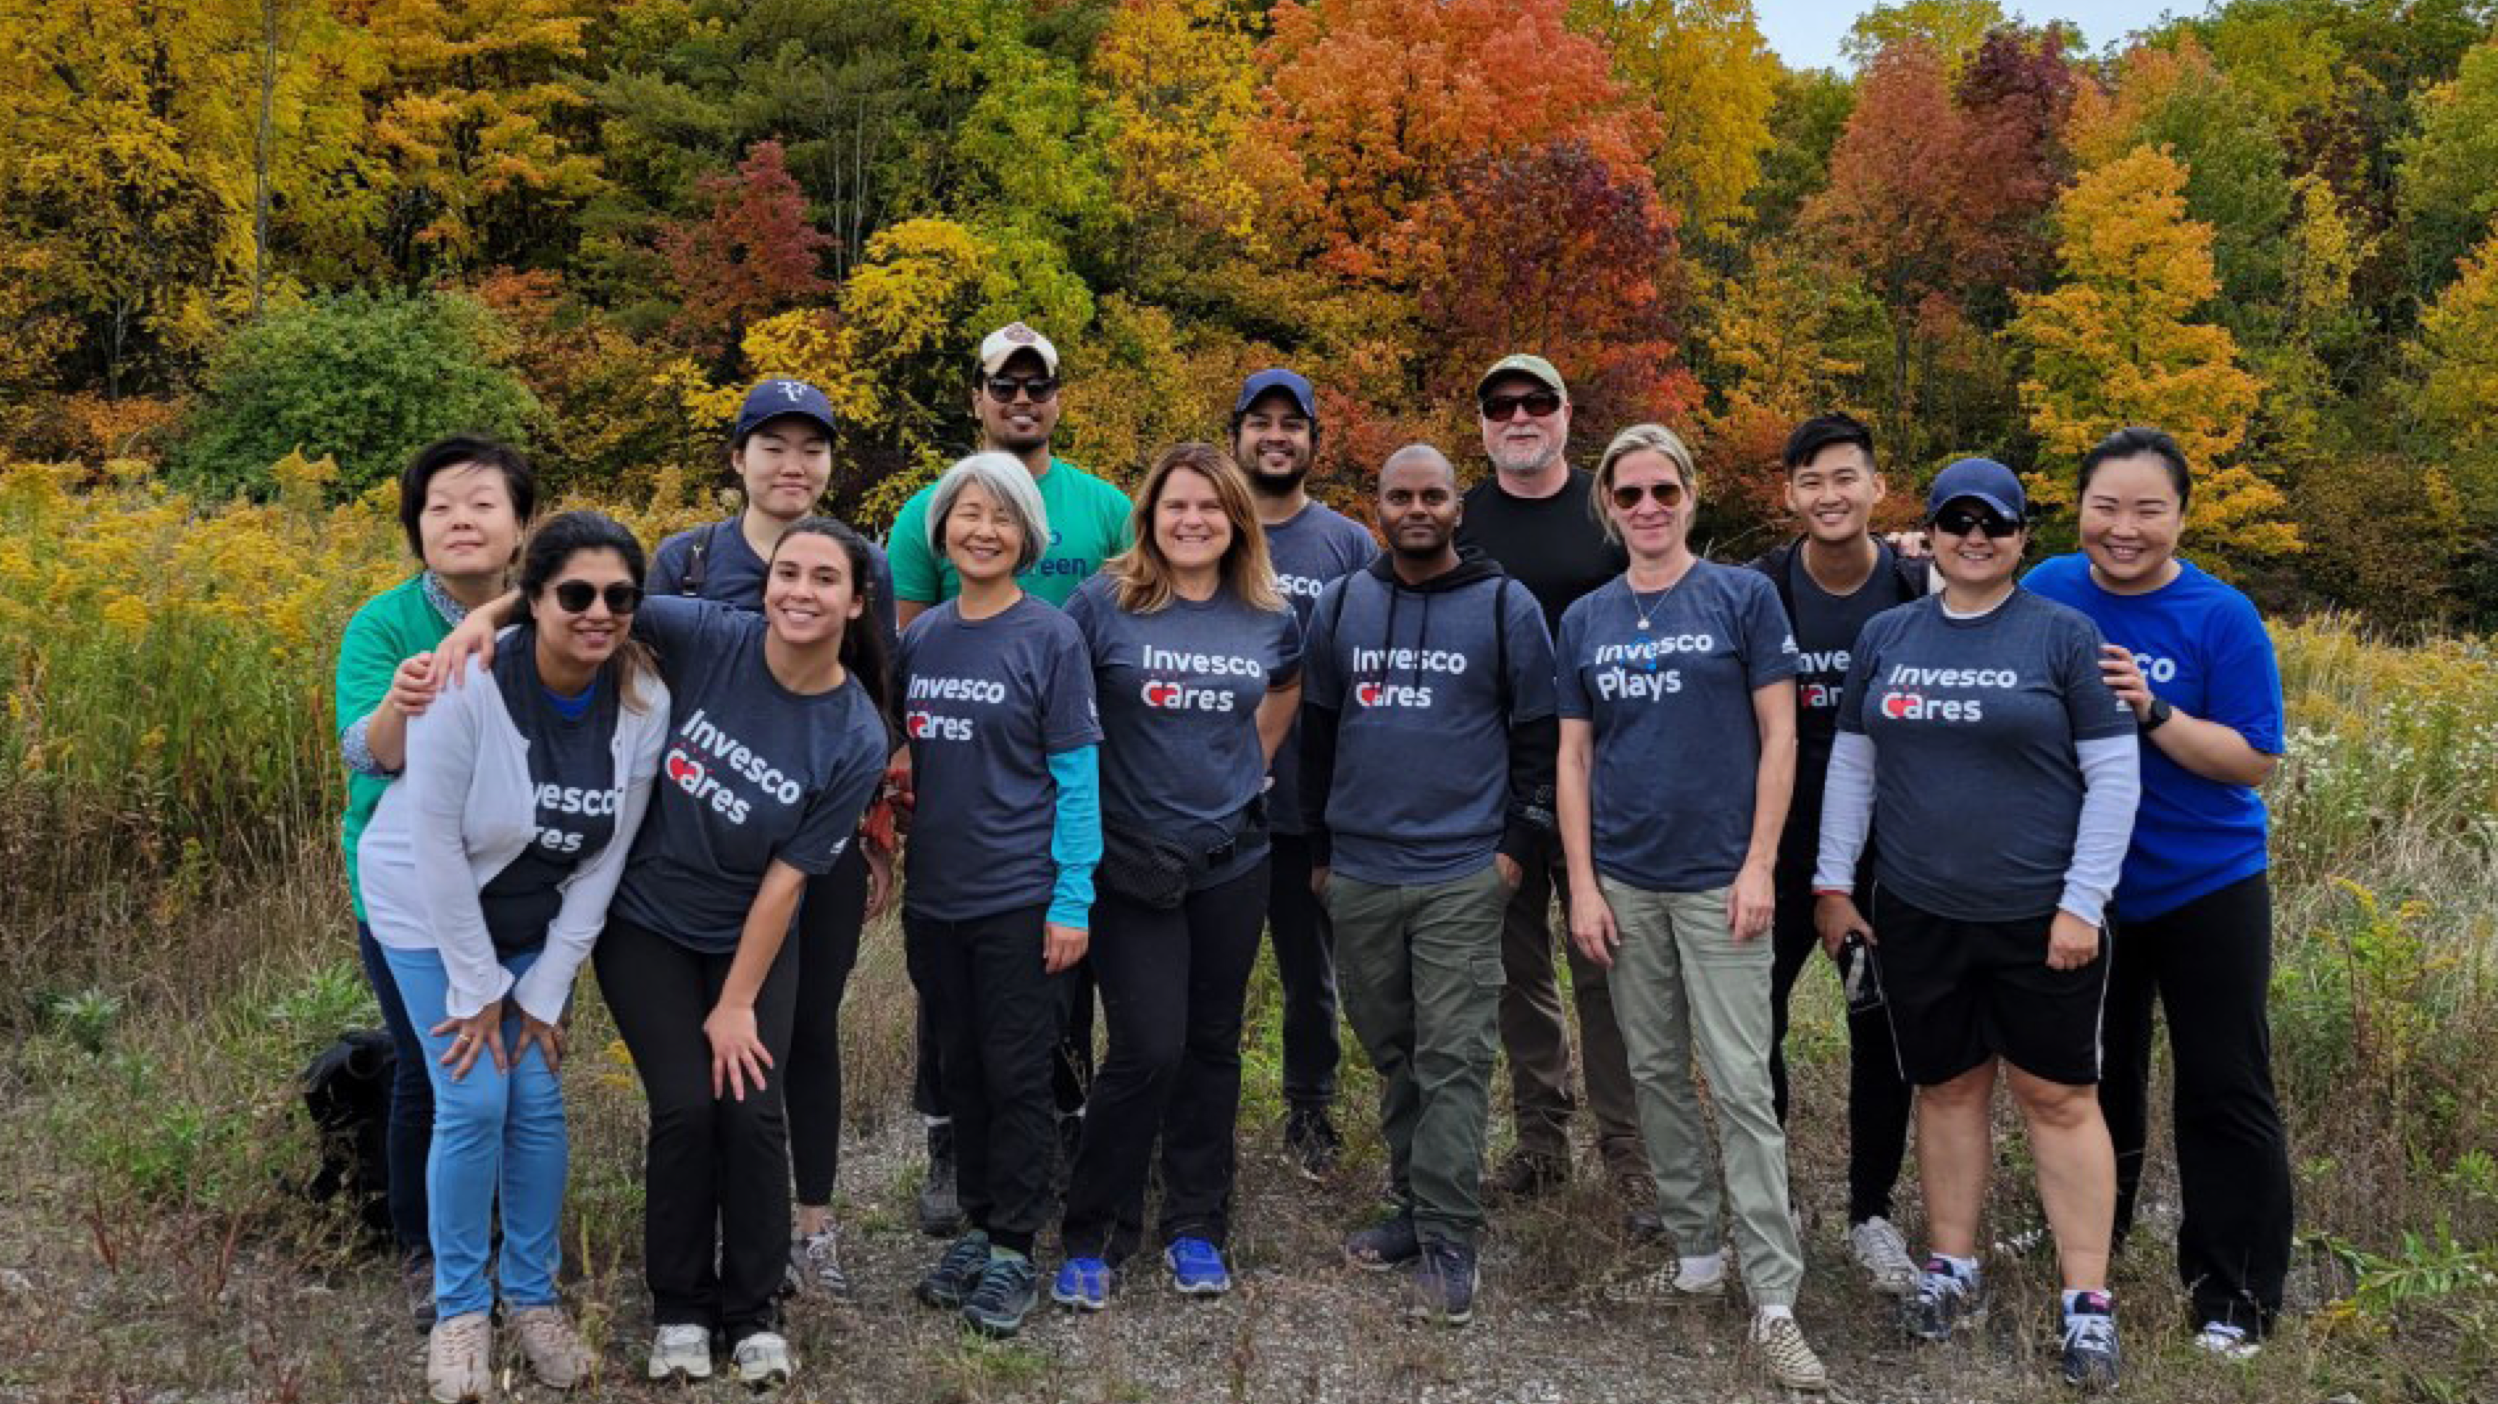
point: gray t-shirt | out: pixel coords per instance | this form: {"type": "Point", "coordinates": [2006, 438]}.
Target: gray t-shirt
{"type": "Point", "coordinates": [985, 705]}
{"type": "Point", "coordinates": [572, 769]}
{"type": "Point", "coordinates": [751, 772]}
{"type": "Point", "coordinates": [1421, 787]}
{"type": "Point", "coordinates": [1319, 545]}
{"type": "Point", "coordinates": [1678, 748]}
{"type": "Point", "coordinates": [1179, 691]}
{"type": "Point", "coordinates": [1977, 786]}
{"type": "Point", "coordinates": [733, 574]}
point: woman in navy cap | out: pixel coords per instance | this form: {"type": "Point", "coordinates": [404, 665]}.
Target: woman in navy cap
{"type": "Point", "coordinates": [1978, 735]}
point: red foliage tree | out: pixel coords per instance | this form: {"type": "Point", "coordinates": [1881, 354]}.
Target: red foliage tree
{"type": "Point", "coordinates": [753, 253]}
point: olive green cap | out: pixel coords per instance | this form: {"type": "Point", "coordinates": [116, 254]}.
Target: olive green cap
{"type": "Point", "coordinates": [1533, 367]}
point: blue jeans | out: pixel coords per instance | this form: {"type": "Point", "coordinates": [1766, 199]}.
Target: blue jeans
{"type": "Point", "coordinates": [494, 1133]}
{"type": "Point", "coordinates": [410, 1137]}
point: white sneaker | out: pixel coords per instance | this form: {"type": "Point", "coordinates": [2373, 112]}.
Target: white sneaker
{"type": "Point", "coordinates": [1791, 1362]}
{"type": "Point", "coordinates": [458, 1353]}
{"type": "Point", "coordinates": [1883, 1254]}
{"type": "Point", "coordinates": [2223, 1341]}
{"type": "Point", "coordinates": [681, 1352]}
{"type": "Point", "coordinates": [761, 1360]}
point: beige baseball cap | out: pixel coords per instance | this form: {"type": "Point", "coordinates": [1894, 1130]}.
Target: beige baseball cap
{"type": "Point", "coordinates": [1534, 368]}
{"type": "Point", "coordinates": [1011, 338]}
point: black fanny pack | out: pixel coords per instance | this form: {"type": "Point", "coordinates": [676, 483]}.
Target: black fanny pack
{"type": "Point", "coordinates": [1147, 868]}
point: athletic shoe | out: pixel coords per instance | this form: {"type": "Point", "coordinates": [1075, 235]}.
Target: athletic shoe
{"type": "Point", "coordinates": [1680, 1282]}
{"type": "Point", "coordinates": [1443, 1281]}
{"type": "Point", "coordinates": [1529, 1175]}
{"type": "Point", "coordinates": [1008, 1288]}
{"type": "Point", "coordinates": [1791, 1362]}
{"type": "Point", "coordinates": [1943, 1301]}
{"type": "Point", "coordinates": [940, 1210]}
{"type": "Point", "coordinates": [761, 1361]}
{"type": "Point", "coordinates": [551, 1346]}
{"type": "Point", "coordinates": [815, 1265]}
{"type": "Point", "coordinates": [1311, 1140]}
{"type": "Point", "coordinates": [951, 1281]}
{"type": "Point", "coordinates": [2226, 1342]}
{"type": "Point", "coordinates": [1383, 1246]}
{"type": "Point", "coordinates": [457, 1356]}
{"type": "Point", "coordinates": [1082, 1283]}
{"type": "Point", "coordinates": [416, 1280]}
{"type": "Point", "coordinates": [1197, 1268]}
{"type": "Point", "coordinates": [1883, 1254]}
{"type": "Point", "coordinates": [681, 1352]}
{"type": "Point", "coordinates": [2090, 1353]}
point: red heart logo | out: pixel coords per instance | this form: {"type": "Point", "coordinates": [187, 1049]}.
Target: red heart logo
{"type": "Point", "coordinates": [917, 723]}
{"type": "Point", "coordinates": [1162, 694]}
{"type": "Point", "coordinates": [1367, 694]}
{"type": "Point", "coordinates": [684, 770]}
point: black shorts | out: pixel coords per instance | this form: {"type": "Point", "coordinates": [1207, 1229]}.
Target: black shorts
{"type": "Point", "coordinates": [1961, 992]}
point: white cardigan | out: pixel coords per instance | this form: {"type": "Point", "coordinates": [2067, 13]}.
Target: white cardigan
{"type": "Point", "coordinates": [461, 812]}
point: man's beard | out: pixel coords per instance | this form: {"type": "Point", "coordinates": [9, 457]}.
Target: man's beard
{"type": "Point", "coordinates": [1267, 484]}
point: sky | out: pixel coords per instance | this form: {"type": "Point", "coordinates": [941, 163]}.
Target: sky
{"type": "Point", "coordinates": [1806, 33]}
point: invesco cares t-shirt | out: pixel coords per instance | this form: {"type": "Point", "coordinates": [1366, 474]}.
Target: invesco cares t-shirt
{"type": "Point", "coordinates": [572, 770]}
{"type": "Point", "coordinates": [1088, 521]}
{"type": "Point", "coordinates": [1421, 786]}
{"type": "Point", "coordinates": [2201, 646]}
{"type": "Point", "coordinates": [985, 704]}
{"type": "Point", "coordinates": [752, 773]}
{"type": "Point", "coordinates": [1977, 784]}
{"type": "Point", "coordinates": [1669, 694]}
{"type": "Point", "coordinates": [1179, 691]}
{"type": "Point", "coordinates": [1319, 545]}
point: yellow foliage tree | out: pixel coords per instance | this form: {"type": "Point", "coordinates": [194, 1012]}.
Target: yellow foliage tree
{"type": "Point", "coordinates": [1174, 87]}
{"type": "Point", "coordinates": [2456, 358]}
{"type": "Point", "coordinates": [1713, 79]}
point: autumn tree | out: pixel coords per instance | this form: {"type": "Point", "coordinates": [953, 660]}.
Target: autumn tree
{"type": "Point", "coordinates": [2454, 361]}
{"type": "Point", "coordinates": [1951, 29]}
{"type": "Point", "coordinates": [751, 254]}
{"type": "Point", "coordinates": [2450, 166]}
{"type": "Point", "coordinates": [1712, 79]}
{"type": "Point", "coordinates": [1780, 350]}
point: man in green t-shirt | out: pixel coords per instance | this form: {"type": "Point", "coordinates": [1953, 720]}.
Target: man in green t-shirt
{"type": "Point", "coordinates": [1015, 398]}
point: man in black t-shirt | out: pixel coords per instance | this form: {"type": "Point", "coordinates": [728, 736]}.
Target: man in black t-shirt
{"type": "Point", "coordinates": [1531, 516]}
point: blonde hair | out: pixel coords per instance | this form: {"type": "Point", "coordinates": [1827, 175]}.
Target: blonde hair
{"type": "Point", "coordinates": [1009, 484]}
{"type": "Point", "coordinates": [1141, 576]}
{"type": "Point", "coordinates": [1639, 438]}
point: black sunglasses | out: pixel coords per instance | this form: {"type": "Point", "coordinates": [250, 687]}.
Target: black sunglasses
{"type": "Point", "coordinates": [1627, 495]}
{"type": "Point", "coordinates": [1004, 388]}
{"type": "Point", "coordinates": [576, 596]}
{"type": "Point", "coordinates": [1502, 408]}
{"type": "Point", "coordinates": [1960, 521]}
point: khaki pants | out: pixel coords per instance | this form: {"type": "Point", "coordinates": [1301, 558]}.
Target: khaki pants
{"type": "Point", "coordinates": [1683, 985]}
{"type": "Point", "coordinates": [1420, 969]}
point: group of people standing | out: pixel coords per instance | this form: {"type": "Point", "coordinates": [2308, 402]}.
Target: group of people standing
{"type": "Point", "coordinates": [1117, 744]}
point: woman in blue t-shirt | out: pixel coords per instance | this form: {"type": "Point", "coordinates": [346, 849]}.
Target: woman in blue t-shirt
{"type": "Point", "coordinates": [1196, 659]}
{"type": "Point", "coordinates": [2192, 920]}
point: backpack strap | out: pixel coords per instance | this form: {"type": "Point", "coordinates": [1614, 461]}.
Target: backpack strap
{"type": "Point", "coordinates": [1500, 645]}
{"type": "Point", "coordinates": [692, 587]}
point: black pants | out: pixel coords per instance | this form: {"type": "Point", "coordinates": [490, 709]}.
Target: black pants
{"type": "Point", "coordinates": [408, 1140]}
{"type": "Point", "coordinates": [1071, 1067]}
{"type": "Point", "coordinates": [1173, 983]}
{"type": "Point", "coordinates": [1879, 1099]}
{"type": "Point", "coordinates": [1305, 964]}
{"type": "Point", "coordinates": [996, 1015]}
{"type": "Point", "coordinates": [716, 1175]}
{"type": "Point", "coordinates": [2209, 963]}
{"type": "Point", "coordinates": [828, 950]}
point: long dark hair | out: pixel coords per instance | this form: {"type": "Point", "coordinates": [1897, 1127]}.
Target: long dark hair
{"type": "Point", "coordinates": [551, 547]}
{"type": "Point", "coordinates": [862, 641]}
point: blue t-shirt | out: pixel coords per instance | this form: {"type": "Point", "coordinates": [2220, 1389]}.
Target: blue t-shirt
{"type": "Point", "coordinates": [986, 703]}
{"type": "Point", "coordinates": [733, 574]}
{"type": "Point", "coordinates": [751, 772]}
{"type": "Point", "coordinates": [1180, 690]}
{"type": "Point", "coordinates": [1677, 746]}
{"type": "Point", "coordinates": [2202, 647]}
{"type": "Point", "coordinates": [1319, 545]}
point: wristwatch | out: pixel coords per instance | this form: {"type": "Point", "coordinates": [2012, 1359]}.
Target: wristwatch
{"type": "Point", "coordinates": [2159, 715]}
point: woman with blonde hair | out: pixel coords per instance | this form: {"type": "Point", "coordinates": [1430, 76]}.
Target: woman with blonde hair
{"type": "Point", "coordinates": [1196, 659]}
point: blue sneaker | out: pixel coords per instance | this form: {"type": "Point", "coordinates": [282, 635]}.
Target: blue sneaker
{"type": "Point", "coordinates": [1082, 1283]}
{"type": "Point", "coordinates": [1444, 1282]}
{"type": "Point", "coordinates": [1197, 1268]}
{"type": "Point", "coordinates": [1384, 1246]}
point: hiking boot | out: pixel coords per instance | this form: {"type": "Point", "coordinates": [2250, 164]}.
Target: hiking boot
{"type": "Point", "coordinates": [1082, 1283]}
{"type": "Point", "coordinates": [1007, 1290]}
{"type": "Point", "coordinates": [416, 1282]}
{"type": "Point", "coordinates": [955, 1274]}
{"type": "Point", "coordinates": [815, 1265]}
{"type": "Point", "coordinates": [1883, 1254]}
{"type": "Point", "coordinates": [1942, 1303]}
{"type": "Point", "coordinates": [552, 1348]}
{"type": "Point", "coordinates": [940, 1211]}
{"type": "Point", "coordinates": [1444, 1280]}
{"type": "Point", "coordinates": [1197, 1268]}
{"type": "Point", "coordinates": [2090, 1353]}
{"type": "Point", "coordinates": [458, 1352]}
{"type": "Point", "coordinates": [681, 1352]}
{"type": "Point", "coordinates": [1384, 1246]}
{"type": "Point", "coordinates": [1311, 1141]}
{"type": "Point", "coordinates": [761, 1361]}
{"type": "Point", "coordinates": [1791, 1362]}
{"type": "Point", "coordinates": [1529, 1175]}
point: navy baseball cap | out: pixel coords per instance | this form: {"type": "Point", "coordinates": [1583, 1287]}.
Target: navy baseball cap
{"type": "Point", "coordinates": [1983, 479]}
{"type": "Point", "coordinates": [1290, 382]}
{"type": "Point", "coordinates": [777, 399]}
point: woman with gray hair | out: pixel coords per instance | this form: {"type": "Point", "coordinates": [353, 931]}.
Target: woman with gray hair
{"type": "Point", "coordinates": [997, 700]}
{"type": "Point", "coordinates": [1677, 700]}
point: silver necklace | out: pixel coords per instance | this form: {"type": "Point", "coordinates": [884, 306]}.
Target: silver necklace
{"type": "Point", "coordinates": [1647, 607]}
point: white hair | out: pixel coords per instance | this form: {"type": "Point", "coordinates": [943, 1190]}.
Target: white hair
{"type": "Point", "coordinates": [1009, 484]}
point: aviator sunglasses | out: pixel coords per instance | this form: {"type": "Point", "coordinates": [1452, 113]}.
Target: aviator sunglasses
{"type": "Point", "coordinates": [576, 596]}
{"type": "Point", "coordinates": [1627, 495]}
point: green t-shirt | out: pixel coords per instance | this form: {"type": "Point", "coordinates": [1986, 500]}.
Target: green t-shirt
{"type": "Point", "coordinates": [391, 626]}
{"type": "Point", "coordinates": [1088, 525]}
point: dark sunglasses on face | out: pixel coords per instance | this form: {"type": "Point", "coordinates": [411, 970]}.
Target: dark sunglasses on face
{"type": "Point", "coordinates": [1627, 495]}
{"type": "Point", "coordinates": [1042, 388]}
{"type": "Point", "coordinates": [1961, 521]}
{"type": "Point", "coordinates": [1501, 408]}
{"type": "Point", "coordinates": [576, 596]}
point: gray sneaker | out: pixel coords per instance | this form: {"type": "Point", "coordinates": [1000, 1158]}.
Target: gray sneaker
{"type": "Point", "coordinates": [1009, 1287]}
{"type": "Point", "coordinates": [815, 1265]}
{"type": "Point", "coordinates": [553, 1349]}
{"type": "Point", "coordinates": [458, 1356]}
{"type": "Point", "coordinates": [951, 1281]}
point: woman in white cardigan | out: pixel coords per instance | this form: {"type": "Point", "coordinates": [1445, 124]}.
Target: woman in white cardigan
{"type": "Point", "coordinates": [487, 873]}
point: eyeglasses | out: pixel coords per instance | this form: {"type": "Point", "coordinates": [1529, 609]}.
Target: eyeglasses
{"type": "Point", "coordinates": [1004, 388]}
{"type": "Point", "coordinates": [576, 596]}
{"type": "Point", "coordinates": [1627, 495]}
{"type": "Point", "coordinates": [1961, 521]}
{"type": "Point", "coordinates": [1537, 403]}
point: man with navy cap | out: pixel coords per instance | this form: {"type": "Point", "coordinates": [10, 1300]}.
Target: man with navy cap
{"type": "Point", "coordinates": [1275, 439]}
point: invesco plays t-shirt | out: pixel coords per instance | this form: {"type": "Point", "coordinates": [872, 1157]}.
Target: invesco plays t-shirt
{"type": "Point", "coordinates": [2202, 646]}
{"type": "Point", "coordinates": [1678, 748]}
{"type": "Point", "coordinates": [752, 773]}
{"type": "Point", "coordinates": [1088, 521]}
{"type": "Point", "coordinates": [1317, 546]}
{"type": "Point", "coordinates": [733, 574]}
{"type": "Point", "coordinates": [572, 767]}
{"type": "Point", "coordinates": [986, 703]}
{"type": "Point", "coordinates": [1179, 691]}
{"type": "Point", "coordinates": [1977, 785]}
{"type": "Point", "coordinates": [1421, 787]}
